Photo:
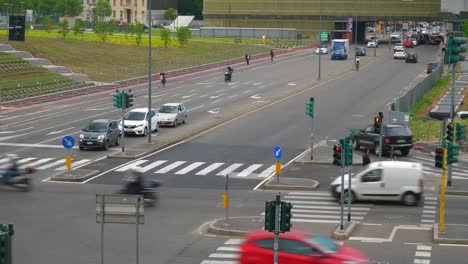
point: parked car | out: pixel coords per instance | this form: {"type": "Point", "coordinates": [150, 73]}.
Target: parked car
{"type": "Point", "coordinates": [372, 44]}
{"type": "Point", "coordinates": [411, 57]}
{"type": "Point", "coordinates": [385, 181]}
{"type": "Point", "coordinates": [395, 137]}
{"type": "Point", "coordinates": [321, 50]}
{"type": "Point", "coordinates": [399, 53]}
{"type": "Point", "coordinates": [374, 39]}
{"type": "Point", "coordinates": [360, 51]}
{"type": "Point", "coordinates": [296, 247]}
{"type": "Point", "coordinates": [172, 114]}
{"type": "Point", "coordinates": [407, 43]}
{"type": "Point", "coordinates": [136, 121]}
{"type": "Point", "coordinates": [463, 114]}
{"type": "Point", "coordinates": [99, 133]}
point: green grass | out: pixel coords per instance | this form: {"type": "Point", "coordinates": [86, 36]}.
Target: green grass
{"type": "Point", "coordinates": [433, 95]}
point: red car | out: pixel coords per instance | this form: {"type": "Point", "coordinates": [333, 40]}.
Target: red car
{"type": "Point", "coordinates": [296, 247]}
{"type": "Point", "coordinates": [408, 43]}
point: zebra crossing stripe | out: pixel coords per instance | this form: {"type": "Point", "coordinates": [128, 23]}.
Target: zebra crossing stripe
{"type": "Point", "coordinates": [321, 211]}
{"type": "Point", "coordinates": [309, 198]}
{"type": "Point", "coordinates": [37, 162]}
{"type": "Point", "coordinates": [355, 207]}
{"type": "Point", "coordinates": [310, 193]}
{"type": "Point", "coordinates": [50, 165]}
{"type": "Point", "coordinates": [249, 170]}
{"type": "Point", "coordinates": [230, 169]}
{"type": "Point", "coordinates": [21, 161]}
{"type": "Point", "coordinates": [324, 216]}
{"type": "Point", "coordinates": [223, 255]}
{"type": "Point", "coordinates": [210, 168]}
{"type": "Point", "coordinates": [267, 172]}
{"type": "Point", "coordinates": [234, 241]}
{"type": "Point", "coordinates": [4, 160]}
{"type": "Point", "coordinates": [73, 164]}
{"type": "Point", "coordinates": [219, 262]}
{"type": "Point", "coordinates": [170, 167]}
{"type": "Point", "coordinates": [236, 249]}
{"type": "Point", "coordinates": [315, 221]}
{"type": "Point", "coordinates": [152, 165]}
{"type": "Point", "coordinates": [311, 202]}
{"type": "Point", "coordinates": [190, 167]}
{"type": "Point", "coordinates": [131, 165]}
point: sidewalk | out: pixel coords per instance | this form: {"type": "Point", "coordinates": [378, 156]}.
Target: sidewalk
{"type": "Point", "coordinates": [453, 234]}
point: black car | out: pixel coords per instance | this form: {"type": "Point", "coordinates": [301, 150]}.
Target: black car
{"type": "Point", "coordinates": [360, 51]}
{"type": "Point", "coordinates": [411, 57]}
{"type": "Point", "coordinates": [395, 137]}
{"type": "Point", "coordinates": [99, 133]}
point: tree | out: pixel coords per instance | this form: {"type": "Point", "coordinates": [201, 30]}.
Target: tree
{"type": "Point", "coordinates": [63, 28]}
{"type": "Point", "coordinates": [69, 7]}
{"type": "Point", "coordinates": [104, 29]}
{"type": "Point", "coordinates": [170, 14]}
{"type": "Point", "coordinates": [166, 36]}
{"type": "Point", "coordinates": [190, 7]}
{"type": "Point", "coordinates": [102, 10]}
{"type": "Point", "coordinates": [465, 28]}
{"type": "Point", "coordinates": [183, 35]}
{"type": "Point", "coordinates": [79, 24]}
{"type": "Point", "coordinates": [138, 27]}
{"type": "Point", "coordinates": [47, 23]}
{"type": "Point", "coordinates": [101, 27]}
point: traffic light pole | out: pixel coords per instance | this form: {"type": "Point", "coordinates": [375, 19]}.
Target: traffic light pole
{"type": "Point", "coordinates": [442, 193]}
{"type": "Point", "coordinates": [320, 46]}
{"type": "Point", "coordinates": [122, 142]}
{"type": "Point", "coordinates": [349, 193]}
{"type": "Point", "coordinates": [312, 138]}
{"type": "Point", "coordinates": [149, 68]}
{"type": "Point", "coordinates": [380, 138]}
{"type": "Point", "coordinates": [277, 223]}
{"type": "Point", "coordinates": [342, 187]}
{"type": "Point", "coordinates": [452, 116]}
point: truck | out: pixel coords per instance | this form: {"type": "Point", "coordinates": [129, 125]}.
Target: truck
{"type": "Point", "coordinates": [340, 49]}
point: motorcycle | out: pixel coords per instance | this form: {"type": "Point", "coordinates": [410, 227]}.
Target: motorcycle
{"type": "Point", "coordinates": [228, 74]}
{"type": "Point", "coordinates": [23, 181]}
{"type": "Point", "coordinates": [149, 191]}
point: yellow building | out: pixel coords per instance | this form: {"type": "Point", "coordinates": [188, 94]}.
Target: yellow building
{"type": "Point", "coordinates": [127, 11]}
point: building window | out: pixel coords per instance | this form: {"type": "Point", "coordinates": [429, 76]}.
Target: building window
{"type": "Point", "coordinates": [142, 3]}
{"type": "Point", "coordinates": [113, 13]}
{"type": "Point", "coordinates": [114, 3]}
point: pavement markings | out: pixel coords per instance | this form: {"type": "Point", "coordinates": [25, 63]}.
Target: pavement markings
{"type": "Point", "coordinates": [170, 167]}
{"type": "Point", "coordinates": [210, 168]}
{"type": "Point", "coordinates": [230, 169]}
{"type": "Point", "coordinates": [41, 164]}
{"type": "Point", "coordinates": [459, 170]}
{"type": "Point", "coordinates": [422, 255]}
{"type": "Point", "coordinates": [75, 163]}
{"type": "Point", "coordinates": [190, 167]}
{"type": "Point", "coordinates": [249, 170]}
{"type": "Point", "coordinates": [429, 210]}
{"type": "Point", "coordinates": [267, 172]}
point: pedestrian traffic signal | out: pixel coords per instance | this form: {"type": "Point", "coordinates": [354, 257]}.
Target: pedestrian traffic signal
{"type": "Point", "coordinates": [128, 100]}
{"type": "Point", "coordinates": [449, 136]}
{"type": "Point", "coordinates": [310, 107]}
{"type": "Point", "coordinates": [348, 154]}
{"type": "Point", "coordinates": [377, 124]}
{"type": "Point", "coordinates": [452, 152]}
{"type": "Point", "coordinates": [270, 216]}
{"type": "Point", "coordinates": [286, 215]}
{"type": "Point", "coordinates": [337, 155]}
{"type": "Point", "coordinates": [460, 132]}
{"type": "Point", "coordinates": [117, 98]}
{"type": "Point", "coordinates": [453, 49]}
{"type": "Point", "coordinates": [439, 157]}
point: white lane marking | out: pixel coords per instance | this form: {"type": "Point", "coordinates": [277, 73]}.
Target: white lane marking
{"type": "Point", "coordinates": [196, 107]}
{"type": "Point", "coordinates": [236, 249]}
{"type": "Point", "coordinates": [217, 101]}
{"type": "Point", "coordinates": [233, 83]}
{"type": "Point", "coordinates": [185, 101]}
{"type": "Point", "coordinates": [59, 131]}
{"type": "Point", "coordinates": [234, 241]}
{"type": "Point", "coordinates": [430, 198]}
{"type": "Point", "coordinates": [174, 95]}
{"type": "Point", "coordinates": [427, 211]}
{"type": "Point", "coordinates": [453, 245]}
{"type": "Point", "coordinates": [260, 87]}
{"type": "Point", "coordinates": [314, 202]}
{"type": "Point", "coordinates": [37, 162]}
{"type": "Point", "coordinates": [53, 164]}
{"type": "Point", "coordinates": [256, 96]}
{"type": "Point", "coordinates": [156, 96]}
{"type": "Point", "coordinates": [99, 109]}
{"type": "Point", "coordinates": [201, 96]}
{"type": "Point", "coordinates": [131, 165]}
{"type": "Point", "coordinates": [73, 164]}
{"type": "Point", "coordinates": [222, 90]}
{"type": "Point", "coordinates": [191, 91]}
{"type": "Point", "coordinates": [423, 247]}
{"type": "Point", "coordinates": [315, 221]}
{"type": "Point", "coordinates": [170, 167]}
{"type": "Point", "coordinates": [369, 224]}
{"type": "Point", "coordinates": [16, 131]}
{"type": "Point", "coordinates": [219, 262]}
{"type": "Point", "coordinates": [422, 261]}
{"type": "Point", "coordinates": [209, 85]}
{"type": "Point", "coordinates": [232, 96]}
{"type": "Point", "coordinates": [210, 168]}
{"type": "Point", "coordinates": [428, 221]}
{"type": "Point", "coordinates": [188, 96]}
{"type": "Point", "coordinates": [222, 255]}
{"type": "Point", "coordinates": [235, 86]}
{"type": "Point", "coordinates": [203, 83]}
{"type": "Point", "coordinates": [190, 167]}
{"type": "Point", "coordinates": [229, 169]}
{"type": "Point", "coordinates": [248, 91]}
{"type": "Point", "coordinates": [290, 197]}
{"type": "Point", "coordinates": [214, 110]}
{"type": "Point", "coordinates": [249, 170]}
{"type": "Point", "coordinates": [152, 165]}
{"type": "Point", "coordinates": [216, 96]}
{"type": "Point", "coordinates": [292, 84]}
{"type": "Point", "coordinates": [321, 207]}
{"type": "Point", "coordinates": [423, 254]}
{"type": "Point", "coordinates": [267, 172]}
{"type": "Point", "coordinates": [21, 161]}
{"type": "Point", "coordinates": [328, 212]}
{"type": "Point", "coordinates": [312, 193]}
{"type": "Point", "coordinates": [255, 84]}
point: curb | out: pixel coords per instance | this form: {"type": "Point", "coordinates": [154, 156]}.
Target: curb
{"type": "Point", "coordinates": [321, 162]}
{"type": "Point", "coordinates": [345, 234]}
{"type": "Point", "coordinates": [457, 193]}
{"type": "Point", "coordinates": [436, 239]}
{"type": "Point", "coordinates": [63, 177]}
{"type": "Point", "coordinates": [268, 186]}
{"type": "Point", "coordinates": [227, 232]}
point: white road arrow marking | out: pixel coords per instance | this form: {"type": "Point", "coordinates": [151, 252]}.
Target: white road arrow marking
{"type": "Point", "coordinates": [11, 132]}
{"type": "Point", "coordinates": [216, 96]}
{"type": "Point", "coordinates": [214, 111]}
{"type": "Point", "coordinates": [188, 96]}
{"type": "Point", "coordinates": [256, 96]}
{"type": "Point", "coordinates": [292, 84]}
{"type": "Point", "coordinates": [59, 131]}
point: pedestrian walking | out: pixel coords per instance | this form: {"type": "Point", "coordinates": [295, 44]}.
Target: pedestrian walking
{"type": "Point", "coordinates": [272, 54]}
{"type": "Point", "coordinates": [162, 77]}
{"type": "Point", "coordinates": [247, 58]}
{"type": "Point", "coordinates": [366, 158]}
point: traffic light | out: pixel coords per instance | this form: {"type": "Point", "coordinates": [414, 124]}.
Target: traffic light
{"type": "Point", "coordinates": [6, 231]}
{"type": "Point", "coordinates": [377, 123]}
{"type": "Point", "coordinates": [452, 152]}
{"type": "Point", "coordinates": [439, 157]}
{"type": "Point", "coordinates": [18, 28]}
{"type": "Point", "coordinates": [128, 99]}
{"type": "Point", "coordinates": [270, 216]}
{"type": "Point", "coordinates": [337, 155]}
{"type": "Point", "coordinates": [460, 132]}
{"type": "Point", "coordinates": [310, 107]}
{"type": "Point", "coordinates": [117, 99]}
{"type": "Point", "coordinates": [286, 215]}
{"type": "Point", "coordinates": [348, 154]}
{"type": "Point", "coordinates": [449, 136]}
{"type": "Point", "coordinates": [453, 49]}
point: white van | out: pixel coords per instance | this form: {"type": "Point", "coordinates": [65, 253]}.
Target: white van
{"type": "Point", "coordinates": [384, 180]}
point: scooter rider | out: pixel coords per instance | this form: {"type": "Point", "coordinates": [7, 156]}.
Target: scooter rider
{"type": "Point", "coordinates": [137, 183]}
{"type": "Point", "coordinates": [228, 73]}
{"type": "Point", "coordinates": [12, 170]}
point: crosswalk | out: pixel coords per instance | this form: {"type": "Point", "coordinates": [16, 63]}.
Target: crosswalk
{"type": "Point", "coordinates": [459, 170]}
{"type": "Point", "coordinates": [42, 164]}
{"type": "Point", "coordinates": [200, 168]}
{"type": "Point", "coordinates": [429, 210]}
{"type": "Point", "coordinates": [321, 207]}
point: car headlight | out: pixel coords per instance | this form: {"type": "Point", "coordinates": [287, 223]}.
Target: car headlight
{"type": "Point", "coordinates": [81, 136]}
{"type": "Point", "coordinates": [101, 137]}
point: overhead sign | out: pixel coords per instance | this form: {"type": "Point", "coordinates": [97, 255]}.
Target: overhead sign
{"type": "Point", "coordinates": [120, 208]}
{"type": "Point", "coordinates": [68, 142]}
{"type": "Point", "coordinates": [324, 36]}
{"type": "Point", "coordinates": [278, 152]}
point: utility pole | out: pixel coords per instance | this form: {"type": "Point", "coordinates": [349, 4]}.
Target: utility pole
{"type": "Point", "coordinates": [452, 115]}
{"type": "Point", "coordinates": [149, 70]}
{"type": "Point", "coordinates": [355, 35]}
{"type": "Point", "coordinates": [320, 41]}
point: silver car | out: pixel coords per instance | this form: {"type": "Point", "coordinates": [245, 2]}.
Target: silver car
{"type": "Point", "coordinates": [172, 114]}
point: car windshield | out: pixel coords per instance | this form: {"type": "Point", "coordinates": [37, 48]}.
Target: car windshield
{"type": "Point", "coordinates": [398, 50]}
{"type": "Point", "coordinates": [398, 131]}
{"type": "Point", "coordinates": [95, 127]}
{"type": "Point", "coordinates": [168, 109]}
{"type": "Point", "coordinates": [135, 116]}
{"type": "Point", "coordinates": [325, 244]}
{"type": "Point", "coordinates": [338, 48]}
{"type": "Point", "coordinates": [360, 49]}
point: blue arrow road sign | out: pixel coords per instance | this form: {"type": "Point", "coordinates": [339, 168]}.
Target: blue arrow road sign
{"type": "Point", "coordinates": [68, 142]}
{"type": "Point", "coordinates": [278, 152]}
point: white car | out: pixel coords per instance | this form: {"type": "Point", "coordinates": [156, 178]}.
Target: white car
{"type": "Point", "coordinates": [172, 114]}
{"type": "Point", "coordinates": [415, 41]}
{"type": "Point", "coordinates": [322, 50]}
{"type": "Point", "coordinates": [136, 121]}
{"type": "Point", "coordinates": [399, 53]}
{"type": "Point", "coordinates": [371, 44]}
{"type": "Point", "coordinates": [395, 35]}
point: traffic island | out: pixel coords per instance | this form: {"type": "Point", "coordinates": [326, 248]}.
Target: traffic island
{"type": "Point", "coordinates": [74, 175]}
{"type": "Point", "coordinates": [453, 234]}
{"type": "Point", "coordinates": [323, 154]}
{"type": "Point", "coordinates": [236, 226]}
{"type": "Point", "coordinates": [348, 228]}
{"type": "Point", "coordinates": [291, 184]}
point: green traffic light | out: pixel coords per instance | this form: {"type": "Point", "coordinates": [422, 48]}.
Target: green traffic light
{"type": "Point", "coordinates": [460, 132]}
{"type": "Point", "coordinates": [452, 152]}
{"type": "Point", "coordinates": [117, 98]}
{"type": "Point", "coordinates": [310, 107]}
{"type": "Point", "coordinates": [348, 154]}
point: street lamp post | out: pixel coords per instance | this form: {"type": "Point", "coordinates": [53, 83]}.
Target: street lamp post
{"type": "Point", "coordinates": [375, 28]}
{"type": "Point", "coordinates": [355, 35]}
{"type": "Point", "coordinates": [149, 67]}
{"type": "Point", "coordinates": [320, 40]}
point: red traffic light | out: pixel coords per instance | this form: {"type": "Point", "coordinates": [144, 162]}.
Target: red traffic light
{"type": "Point", "coordinates": [337, 148]}
{"type": "Point", "coordinates": [450, 126]}
{"type": "Point", "coordinates": [439, 150]}
{"type": "Point", "coordinates": [377, 119]}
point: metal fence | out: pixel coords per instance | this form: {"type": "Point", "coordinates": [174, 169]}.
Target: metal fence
{"type": "Point", "coordinates": [238, 32]}
{"type": "Point", "coordinates": [416, 91]}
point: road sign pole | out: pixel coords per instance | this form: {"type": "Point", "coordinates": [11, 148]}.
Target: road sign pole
{"type": "Point", "coordinates": [312, 138]}
{"type": "Point", "coordinates": [442, 193]}
{"type": "Point", "coordinates": [277, 220]}
{"type": "Point", "coordinates": [137, 229]}
{"type": "Point", "coordinates": [342, 186]}
{"type": "Point", "coordinates": [320, 42]}
{"type": "Point", "coordinates": [102, 229]}
{"type": "Point", "coordinates": [349, 192]}
{"type": "Point", "coordinates": [452, 116]}
{"type": "Point", "coordinates": [123, 125]}
{"type": "Point", "coordinates": [226, 197]}
{"type": "Point", "coordinates": [380, 138]}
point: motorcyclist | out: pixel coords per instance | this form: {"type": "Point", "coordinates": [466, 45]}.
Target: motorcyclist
{"type": "Point", "coordinates": [136, 184]}
{"type": "Point", "coordinates": [228, 73]}
{"type": "Point", "coordinates": [12, 170]}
